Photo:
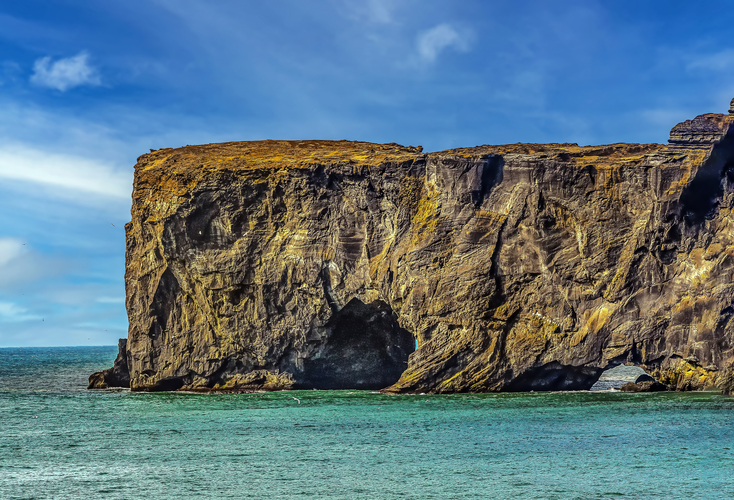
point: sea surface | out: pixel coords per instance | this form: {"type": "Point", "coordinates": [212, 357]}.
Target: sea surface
{"type": "Point", "coordinates": [60, 441]}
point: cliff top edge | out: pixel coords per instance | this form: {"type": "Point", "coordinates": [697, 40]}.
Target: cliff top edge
{"type": "Point", "coordinates": [702, 131]}
{"type": "Point", "coordinates": [284, 154]}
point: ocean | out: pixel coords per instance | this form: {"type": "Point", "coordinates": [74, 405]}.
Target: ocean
{"type": "Point", "coordinates": [60, 441]}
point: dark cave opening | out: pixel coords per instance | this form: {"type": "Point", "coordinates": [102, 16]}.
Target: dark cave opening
{"type": "Point", "coordinates": [167, 384]}
{"type": "Point", "coordinates": [555, 376]}
{"type": "Point", "coordinates": [365, 348]}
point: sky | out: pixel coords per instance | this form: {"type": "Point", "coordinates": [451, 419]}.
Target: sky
{"type": "Point", "coordinates": [87, 87]}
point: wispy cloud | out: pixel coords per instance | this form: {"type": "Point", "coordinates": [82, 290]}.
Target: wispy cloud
{"type": "Point", "coordinates": [665, 117]}
{"type": "Point", "coordinates": [10, 249]}
{"type": "Point", "coordinates": [432, 42]}
{"type": "Point", "coordinates": [21, 266]}
{"type": "Point", "coordinates": [111, 300]}
{"type": "Point", "coordinates": [13, 313]}
{"type": "Point", "coordinates": [718, 61]}
{"type": "Point", "coordinates": [9, 72]}
{"type": "Point", "coordinates": [65, 172]}
{"type": "Point", "coordinates": [65, 74]}
{"type": "Point", "coordinates": [371, 11]}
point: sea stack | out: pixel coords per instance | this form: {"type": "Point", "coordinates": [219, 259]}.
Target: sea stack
{"type": "Point", "coordinates": [322, 264]}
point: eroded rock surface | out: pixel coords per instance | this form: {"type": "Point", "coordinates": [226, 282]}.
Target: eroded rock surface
{"type": "Point", "coordinates": [282, 264]}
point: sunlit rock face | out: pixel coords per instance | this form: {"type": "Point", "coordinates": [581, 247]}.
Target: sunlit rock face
{"type": "Point", "coordinates": [275, 264]}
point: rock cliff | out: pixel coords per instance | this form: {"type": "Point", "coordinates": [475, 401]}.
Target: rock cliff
{"type": "Point", "coordinates": [286, 264]}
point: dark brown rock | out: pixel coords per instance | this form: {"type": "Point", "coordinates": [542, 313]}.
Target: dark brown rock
{"type": "Point", "coordinates": [117, 376]}
{"type": "Point", "coordinates": [646, 386]}
{"type": "Point", "coordinates": [514, 267]}
{"type": "Point", "coordinates": [700, 133]}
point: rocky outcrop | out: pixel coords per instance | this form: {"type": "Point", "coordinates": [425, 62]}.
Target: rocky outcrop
{"type": "Point", "coordinates": [117, 376]}
{"type": "Point", "coordinates": [280, 264]}
{"type": "Point", "coordinates": [645, 386]}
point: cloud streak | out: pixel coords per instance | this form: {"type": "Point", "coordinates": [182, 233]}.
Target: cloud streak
{"type": "Point", "coordinates": [371, 11]}
{"type": "Point", "coordinates": [64, 172]}
{"type": "Point", "coordinates": [10, 249]}
{"type": "Point", "coordinates": [65, 74]}
{"type": "Point", "coordinates": [432, 42]}
{"type": "Point", "coordinates": [20, 266]}
{"type": "Point", "coordinates": [13, 313]}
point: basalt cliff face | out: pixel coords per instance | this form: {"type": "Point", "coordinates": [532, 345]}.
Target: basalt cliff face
{"type": "Point", "coordinates": [317, 264]}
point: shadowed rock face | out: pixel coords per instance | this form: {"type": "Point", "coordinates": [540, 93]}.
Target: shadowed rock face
{"type": "Point", "coordinates": [117, 376]}
{"type": "Point", "coordinates": [521, 267]}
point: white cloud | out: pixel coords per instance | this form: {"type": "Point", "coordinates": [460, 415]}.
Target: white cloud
{"type": "Point", "coordinates": [720, 61]}
{"type": "Point", "coordinates": [9, 72]}
{"type": "Point", "coordinates": [62, 171]}
{"type": "Point", "coordinates": [666, 117]}
{"type": "Point", "coordinates": [19, 265]}
{"type": "Point", "coordinates": [371, 11]}
{"type": "Point", "coordinates": [10, 249]}
{"type": "Point", "coordinates": [432, 42]}
{"type": "Point", "coordinates": [13, 313]}
{"type": "Point", "coordinates": [111, 300]}
{"type": "Point", "coordinates": [65, 74]}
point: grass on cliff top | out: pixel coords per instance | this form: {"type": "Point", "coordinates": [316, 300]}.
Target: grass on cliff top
{"type": "Point", "coordinates": [299, 154]}
{"type": "Point", "coordinates": [281, 154]}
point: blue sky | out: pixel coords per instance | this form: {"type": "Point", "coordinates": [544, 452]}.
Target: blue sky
{"type": "Point", "coordinates": [87, 87]}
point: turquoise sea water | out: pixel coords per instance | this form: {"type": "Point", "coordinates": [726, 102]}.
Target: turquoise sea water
{"type": "Point", "coordinates": [348, 444]}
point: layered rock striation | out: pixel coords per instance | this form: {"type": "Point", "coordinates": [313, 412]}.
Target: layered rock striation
{"type": "Point", "coordinates": [320, 264]}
